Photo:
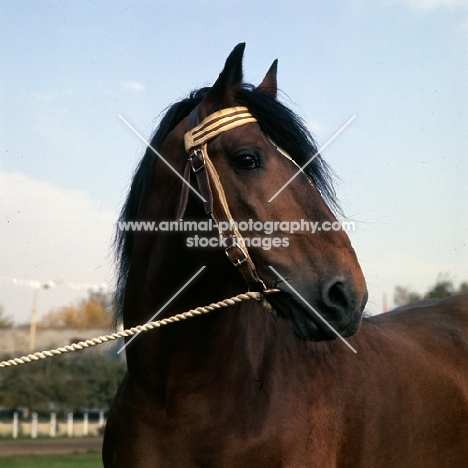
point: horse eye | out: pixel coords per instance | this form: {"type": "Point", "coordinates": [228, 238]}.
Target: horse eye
{"type": "Point", "coordinates": [246, 161]}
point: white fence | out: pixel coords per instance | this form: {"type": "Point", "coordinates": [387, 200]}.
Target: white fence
{"type": "Point", "coordinates": [53, 427]}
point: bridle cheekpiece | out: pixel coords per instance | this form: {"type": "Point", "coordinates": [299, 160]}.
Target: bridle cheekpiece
{"type": "Point", "coordinates": [211, 189]}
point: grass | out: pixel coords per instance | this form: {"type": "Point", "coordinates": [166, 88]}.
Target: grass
{"type": "Point", "coordinates": [76, 460]}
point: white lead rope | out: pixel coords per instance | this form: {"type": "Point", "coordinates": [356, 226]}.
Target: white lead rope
{"type": "Point", "coordinates": [135, 330]}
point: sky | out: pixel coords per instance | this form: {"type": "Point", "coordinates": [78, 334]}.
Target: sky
{"type": "Point", "coordinates": [67, 69]}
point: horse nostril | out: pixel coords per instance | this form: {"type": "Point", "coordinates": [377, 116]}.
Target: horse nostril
{"type": "Point", "coordinates": [336, 296]}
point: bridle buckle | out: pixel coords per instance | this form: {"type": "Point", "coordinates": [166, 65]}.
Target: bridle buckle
{"type": "Point", "coordinates": [197, 160]}
{"type": "Point", "coordinates": [242, 258]}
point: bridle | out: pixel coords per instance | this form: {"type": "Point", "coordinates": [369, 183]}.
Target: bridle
{"type": "Point", "coordinates": [211, 189]}
{"type": "Point", "coordinates": [196, 140]}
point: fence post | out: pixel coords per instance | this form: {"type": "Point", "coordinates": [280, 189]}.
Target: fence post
{"type": "Point", "coordinates": [53, 424]}
{"type": "Point", "coordinates": [34, 426]}
{"type": "Point", "coordinates": [85, 424]}
{"type": "Point", "coordinates": [101, 419]}
{"type": "Point", "coordinates": [15, 425]}
{"type": "Point", "coordinates": [70, 424]}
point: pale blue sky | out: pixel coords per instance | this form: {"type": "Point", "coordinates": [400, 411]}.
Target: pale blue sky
{"type": "Point", "coordinates": [69, 68]}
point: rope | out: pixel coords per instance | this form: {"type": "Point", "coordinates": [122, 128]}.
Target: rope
{"type": "Point", "coordinates": [135, 330]}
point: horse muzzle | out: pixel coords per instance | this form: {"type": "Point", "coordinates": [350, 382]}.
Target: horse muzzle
{"type": "Point", "coordinates": [335, 310]}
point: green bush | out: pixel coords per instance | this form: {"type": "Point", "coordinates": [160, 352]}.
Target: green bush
{"type": "Point", "coordinates": [62, 383]}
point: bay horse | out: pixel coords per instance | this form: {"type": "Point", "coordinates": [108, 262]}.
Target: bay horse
{"type": "Point", "coordinates": [268, 384]}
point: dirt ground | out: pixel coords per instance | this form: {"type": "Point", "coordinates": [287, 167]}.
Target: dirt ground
{"type": "Point", "coordinates": [41, 446]}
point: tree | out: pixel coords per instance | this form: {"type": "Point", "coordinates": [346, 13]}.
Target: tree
{"type": "Point", "coordinates": [463, 288]}
{"type": "Point", "coordinates": [69, 382]}
{"type": "Point", "coordinates": [93, 312]}
{"type": "Point", "coordinates": [5, 320]}
{"type": "Point", "coordinates": [443, 287]}
{"type": "Point", "coordinates": [403, 295]}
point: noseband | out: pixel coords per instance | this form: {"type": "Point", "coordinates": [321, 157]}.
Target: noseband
{"type": "Point", "coordinates": [211, 189]}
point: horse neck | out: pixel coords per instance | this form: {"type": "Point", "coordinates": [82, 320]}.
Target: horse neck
{"type": "Point", "coordinates": [219, 339]}
{"type": "Point", "coordinates": [228, 344]}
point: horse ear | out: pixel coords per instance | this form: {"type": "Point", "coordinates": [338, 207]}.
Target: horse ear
{"type": "Point", "coordinates": [221, 94]}
{"type": "Point", "coordinates": [269, 85]}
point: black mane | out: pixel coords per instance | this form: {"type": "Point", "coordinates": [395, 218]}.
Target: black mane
{"type": "Point", "coordinates": [281, 124]}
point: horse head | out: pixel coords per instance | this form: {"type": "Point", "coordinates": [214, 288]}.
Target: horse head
{"type": "Point", "coordinates": [250, 172]}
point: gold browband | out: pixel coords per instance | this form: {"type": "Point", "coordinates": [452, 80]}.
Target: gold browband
{"type": "Point", "coordinates": [216, 123]}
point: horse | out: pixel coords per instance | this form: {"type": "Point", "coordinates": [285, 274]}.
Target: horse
{"type": "Point", "coordinates": [272, 382]}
